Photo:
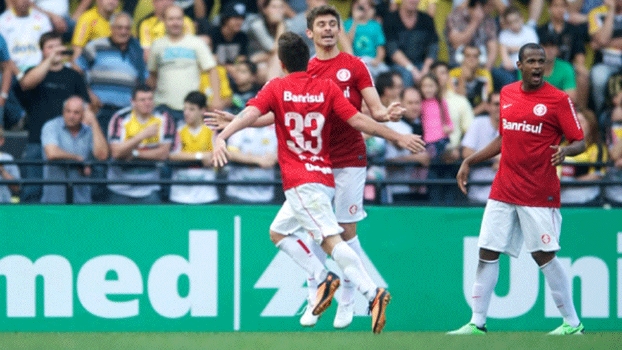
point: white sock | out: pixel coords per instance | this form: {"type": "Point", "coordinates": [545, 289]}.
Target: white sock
{"type": "Point", "coordinates": [352, 267]}
{"type": "Point", "coordinates": [321, 255]}
{"type": "Point", "coordinates": [301, 254]}
{"type": "Point", "coordinates": [485, 281]}
{"type": "Point", "coordinates": [560, 289]}
{"type": "Point", "coordinates": [347, 287]}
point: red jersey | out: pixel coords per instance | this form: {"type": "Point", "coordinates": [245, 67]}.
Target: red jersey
{"type": "Point", "coordinates": [529, 123]}
{"type": "Point", "coordinates": [305, 110]}
{"type": "Point", "coordinates": [347, 148]}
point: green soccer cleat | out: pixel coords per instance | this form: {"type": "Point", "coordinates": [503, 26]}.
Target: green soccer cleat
{"type": "Point", "coordinates": [469, 329]}
{"type": "Point", "coordinates": [566, 329]}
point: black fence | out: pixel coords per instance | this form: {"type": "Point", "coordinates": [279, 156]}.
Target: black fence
{"type": "Point", "coordinates": [446, 186]}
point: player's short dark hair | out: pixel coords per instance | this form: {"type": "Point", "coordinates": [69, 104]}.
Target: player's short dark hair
{"type": "Point", "coordinates": [196, 98]}
{"type": "Point", "coordinates": [384, 81]}
{"type": "Point", "coordinates": [293, 52]}
{"type": "Point", "coordinates": [528, 46]}
{"type": "Point", "coordinates": [45, 37]}
{"type": "Point", "coordinates": [140, 88]}
{"type": "Point", "coordinates": [321, 11]}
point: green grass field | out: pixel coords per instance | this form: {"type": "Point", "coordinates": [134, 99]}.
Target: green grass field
{"type": "Point", "coordinates": [306, 340]}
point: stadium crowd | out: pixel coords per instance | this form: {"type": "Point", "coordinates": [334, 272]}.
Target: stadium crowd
{"type": "Point", "coordinates": [91, 81]}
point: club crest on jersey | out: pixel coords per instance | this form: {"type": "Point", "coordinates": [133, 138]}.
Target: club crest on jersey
{"type": "Point", "coordinates": [539, 109]}
{"type": "Point", "coordinates": [546, 239]}
{"type": "Point", "coordinates": [353, 209]}
{"type": "Point", "coordinates": [343, 74]}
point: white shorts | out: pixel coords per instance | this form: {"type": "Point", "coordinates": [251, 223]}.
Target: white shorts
{"type": "Point", "coordinates": [307, 208]}
{"type": "Point", "coordinates": [349, 187]}
{"type": "Point", "coordinates": [505, 226]}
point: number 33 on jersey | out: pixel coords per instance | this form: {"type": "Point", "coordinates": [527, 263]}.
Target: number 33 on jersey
{"type": "Point", "coordinates": [304, 111]}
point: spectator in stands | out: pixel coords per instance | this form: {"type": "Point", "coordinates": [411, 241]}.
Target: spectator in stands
{"type": "Point", "coordinates": [262, 33]}
{"type": "Point", "coordinates": [58, 13]}
{"type": "Point", "coordinates": [367, 36]}
{"type": "Point", "coordinates": [571, 43]}
{"type": "Point", "coordinates": [114, 66]}
{"type": "Point", "coordinates": [152, 28]}
{"type": "Point", "coordinates": [42, 91]}
{"type": "Point", "coordinates": [253, 158]}
{"type": "Point", "coordinates": [578, 12]}
{"type": "Point", "coordinates": [73, 136]}
{"type": "Point", "coordinates": [245, 85]}
{"type": "Point", "coordinates": [613, 193]}
{"type": "Point", "coordinates": [471, 80]}
{"type": "Point", "coordinates": [93, 24]}
{"type": "Point", "coordinates": [252, 150]}
{"type": "Point", "coordinates": [193, 142]}
{"type": "Point", "coordinates": [605, 30]}
{"type": "Point", "coordinates": [389, 86]}
{"type": "Point", "coordinates": [557, 72]}
{"type": "Point", "coordinates": [22, 26]}
{"type": "Point", "coordinates": [10, 110]}
{"type": "Point", "coordinates": [412, 42]}
{"type": "Point", "coordinates": [175, 64]}
{"type": "Point", "coordinates": [472, 23]}
{"type": "Point", "coordinates": [138, 133]}
{"type": "Point", "coordinates": [515, 35]}
{"type": "Point", "coordinates": [437, 126]}
{"type": "Point", "coordinates": [460, 111]}
{"type": "Point", "coordinates": [410, 123]}
{"type": "Point", "coordinates": [7, 172]}
{"type": "Point", "coordinates": [229, 42]}
{"type": "Point", "coordinates": [595, 152]}
{"type": "Point", "coordinates": [482, 131]}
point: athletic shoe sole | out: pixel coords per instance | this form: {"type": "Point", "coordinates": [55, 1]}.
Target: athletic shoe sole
{"type": "Point", "coordinates": [378, 310]}
{"type": "Point", "coordinates": [325, 292]}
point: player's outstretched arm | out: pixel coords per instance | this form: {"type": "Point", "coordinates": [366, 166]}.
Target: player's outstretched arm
{"type": "Point", "coordinates": [220, 119]}
{"type": "Point", "coordinates": [378, 111]}
{"type": "Point", "coordinates": [363, 123]}
{"type": "Point", "coordinates": [243, 120]}
{"type": "Point", "coordinates": [491, 150]}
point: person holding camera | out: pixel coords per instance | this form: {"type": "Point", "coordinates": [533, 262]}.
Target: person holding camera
{"type": "Point", "coordinates": [42, 91]}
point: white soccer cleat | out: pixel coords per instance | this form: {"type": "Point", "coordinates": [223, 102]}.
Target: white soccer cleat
{"type": "Point", "coordinates": [344, 315]}
{"type": "Point", "coordinates": [308, 319]}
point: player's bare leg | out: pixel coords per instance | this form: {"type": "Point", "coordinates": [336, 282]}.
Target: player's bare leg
{"type": "Point", "coordinates": [485, 281]}
{"type": "Point", "coordinates": [560, 290]}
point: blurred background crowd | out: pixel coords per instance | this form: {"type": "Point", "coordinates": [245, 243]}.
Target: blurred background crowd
{"type": "Point", "coordinates": [116, 91]}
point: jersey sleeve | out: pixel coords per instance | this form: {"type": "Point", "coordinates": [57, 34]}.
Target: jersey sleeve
{"type": "Point", "coordinates": [144, 34]}
{"type": "Point", "coordinates": [264, 98]}
{"type": "Point", "coordinates": [82, 30]}
{"type": "Point", "coordinates": [48, 136]}
{"type": "Point", "coordinates": [206, 59]}
{"type": "Point", "coordinates": [363, 76]}
{"type": "Point", "coordinates": [568, 120]}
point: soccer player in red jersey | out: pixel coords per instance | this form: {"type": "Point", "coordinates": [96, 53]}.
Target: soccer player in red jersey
{"type": "Point", "coordinates": [346, 144]}
{"type": "Point", "coordinates": [305, 109]}
{"type": "Point", "coordinates": [524, 200]}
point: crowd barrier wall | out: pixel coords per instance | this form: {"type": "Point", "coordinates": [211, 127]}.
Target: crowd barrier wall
{"type": "Point", "coordinates": [213, 268]}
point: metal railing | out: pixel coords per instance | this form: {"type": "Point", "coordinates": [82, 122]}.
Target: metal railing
{"type": "Point", "coordinates": [379, 185]}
